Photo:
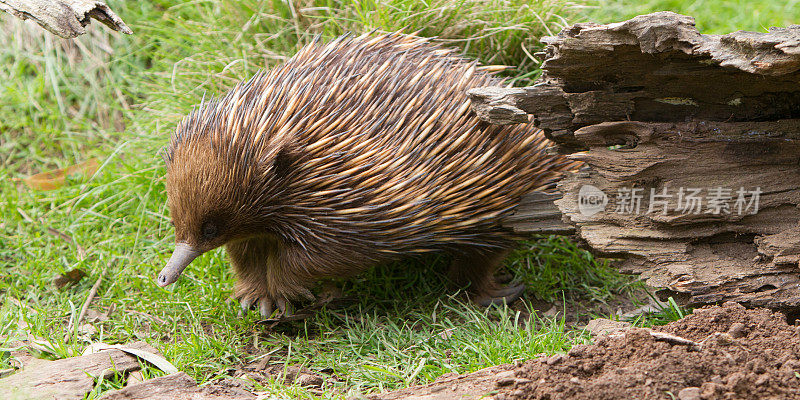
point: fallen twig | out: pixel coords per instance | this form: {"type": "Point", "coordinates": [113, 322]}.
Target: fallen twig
{"type": "Point", "coordinates": [661, 336]}
{"type": "Point", "coordinates": [672, 339]}
{"type": "Point", "coordinates": [88, 301]}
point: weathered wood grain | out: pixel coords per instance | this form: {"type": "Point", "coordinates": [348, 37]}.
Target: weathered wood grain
{"type": "Point", "coordinates": [65, 18]}
{"type": "Point", "coordinates": [68, 378]}
{"type": "Point", "coordinates": [538, 214]}
{"type": "Point", "coordinates": [653, 106]}
{"type": "Point", "coordinates": [177, 386]}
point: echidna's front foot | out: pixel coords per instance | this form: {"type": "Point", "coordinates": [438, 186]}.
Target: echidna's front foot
{"type": "Point", "coordinates": [497, 295]}
{"type": "Point", "coordinates": [256, 296]}
{"type": "Point", "coordinates": [266, 306]}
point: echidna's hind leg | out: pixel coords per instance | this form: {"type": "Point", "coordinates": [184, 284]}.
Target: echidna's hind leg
{"type": "Point", "coordinates": [475, 268]}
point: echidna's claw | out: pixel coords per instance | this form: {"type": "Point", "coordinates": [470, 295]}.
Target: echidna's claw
{"type": "Point", "coordinates": [286, 307]}
{"type": "Point", "coordinates": [500, 295]}
{"type": "Point", "coordinates": [265, 307]}
{"type": "Point", "coordinates": [246, 302]}
{"type": "Point", "coordinates": [257, 296]}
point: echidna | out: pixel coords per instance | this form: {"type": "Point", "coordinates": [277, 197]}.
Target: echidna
{"type": "Point", "coordinates": [352, 153]}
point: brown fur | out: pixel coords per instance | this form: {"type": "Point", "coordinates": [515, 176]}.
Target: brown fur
{"type": "Point", "coordinates": [351, 154]}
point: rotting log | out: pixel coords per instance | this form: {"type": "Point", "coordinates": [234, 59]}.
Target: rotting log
{"type": "Point", "coordinates": [177, 386]}
{"type": "Point", "coordinates": [68, 378]}
{"type": "Point", "coordinates": [65, 18]}
{"type": "Point", "coordinates": [538, 214]}
{"type": "Point", "coordinates": [692, 152]}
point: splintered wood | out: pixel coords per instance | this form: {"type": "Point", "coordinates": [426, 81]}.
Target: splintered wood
{"type": "Point", "coordinates": [65, 18]}
{"type": "Point", "coordinates": [692, 148]}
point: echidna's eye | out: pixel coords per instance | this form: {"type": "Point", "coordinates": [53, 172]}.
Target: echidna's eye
{"type": "Point", "coordinates": [209, 230]}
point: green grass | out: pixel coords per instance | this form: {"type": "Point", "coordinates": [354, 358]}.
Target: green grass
{"type": "Point", "coordinates": [118, 97]}
{"type": "Point", "coordinates": [552, 267]}
{"type": "Point", "coordinates": [665, 313]}
{"type": "Point", "coordinates": [711, 16]}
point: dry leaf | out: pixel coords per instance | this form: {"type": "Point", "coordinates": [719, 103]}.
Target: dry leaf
{"type": "Point", "coordinates": [72, 276]}
{"type": "Point", "coordinates": [155, 359]}
{"type": "Point", "coordinates": [93, 316]}
{"type": "Point", "coordinates": [54, 179]}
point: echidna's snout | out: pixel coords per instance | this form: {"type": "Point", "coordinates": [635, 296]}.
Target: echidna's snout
{"type": "Point", "coordinates": [181, 258]}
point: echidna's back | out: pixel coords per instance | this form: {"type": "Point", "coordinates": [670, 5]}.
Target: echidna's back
{"type": "Point", "coordinates": [390, 153]}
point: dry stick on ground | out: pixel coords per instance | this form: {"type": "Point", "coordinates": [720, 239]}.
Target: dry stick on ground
{"type": "Point", "coordinates": [65, 18]}
{"type": "Point", "coordinates": [663, 337]}
{"type": "Point", "coordinates": [92, 293]}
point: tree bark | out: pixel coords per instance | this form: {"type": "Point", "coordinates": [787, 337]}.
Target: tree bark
{"type": "Point", "coordinates": [65, 18]}
{"type": "Point", "coordinates": [658, 111]}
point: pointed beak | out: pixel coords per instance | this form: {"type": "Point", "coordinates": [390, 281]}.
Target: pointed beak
{"type": "Point", "coordinates": [181, 257]}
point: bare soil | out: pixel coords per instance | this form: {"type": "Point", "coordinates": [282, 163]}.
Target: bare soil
{"type": "Point", "coordinates": [718, 352]}
{"type": "Point", "coordinates": [741, 354]}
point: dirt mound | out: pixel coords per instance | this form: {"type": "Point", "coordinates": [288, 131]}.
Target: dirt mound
{"type": "Point", "coordinates": [735, 354]}
{"type": "Point", "coordinates": [719, 352]}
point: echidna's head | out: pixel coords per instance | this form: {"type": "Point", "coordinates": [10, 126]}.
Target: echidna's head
{"type": "Point", "coordinates": [219, 188]}
{"type": "Point", "coordinates": [204, 198]}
